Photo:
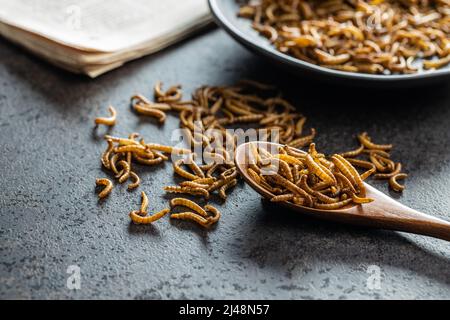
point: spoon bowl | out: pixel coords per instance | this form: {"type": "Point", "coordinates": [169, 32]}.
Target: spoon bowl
{"type": "Point", "coordinates": [384, 212]}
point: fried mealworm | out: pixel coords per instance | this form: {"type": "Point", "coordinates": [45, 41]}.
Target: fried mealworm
{"type": "Point", "coordinates": [365, 140]}
{"type": "Point", "coordinates": [359, 200]}
{"type": "Point", "coordinates": [105, 156]}
{"type": "Point", "coordinates": [144, 204]}
{"type": "Point", "coordinates": [108, 121]}
{"type": "Point", "coordinates": [394, 184]}
{"type": "Point", "coordinates": [136, 181]}
{"type": "Point", "coordinates": [290, 159]}
{"type": "Point", "coordinates": [147, 111]}
{"type": "Point", "coordinates": [223, 189]}
{"type": "Point", "coordinates": [146, 161]}
{"type": "Point", "coordinates": [188, 190]}
{"type": "Point", "coordinates": [194, 184]}
{"type": "Point", "coordinates": [191, 216]}
{"type": "Point", "coordinates": [282, 197]}
{"type": "Point", "coordinates": [112, 163]}
{"type": "Point", "coordinates": [189, 204]}
{"type": "Point", "coordinates": [108, 187]}
{"type": "Point", "coordinates": [181, 172]}
{"type": "Point", "coordinates": [125, 173]}
{"type": "Point", "coordinates": [353, 153]}
{"type": "Point", "coordinates": [314, 168]}
{"type": "Point", "coordinates": [332, 206]}
{"type": "Point", "coordinates": [136, 218]}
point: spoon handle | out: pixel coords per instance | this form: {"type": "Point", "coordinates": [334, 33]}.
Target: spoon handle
{"type": "Point", "coordinates": [390, 214]}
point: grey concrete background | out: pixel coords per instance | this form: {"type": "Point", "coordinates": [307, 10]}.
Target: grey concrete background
{"type": "Point", "coordinates": [50, 217]}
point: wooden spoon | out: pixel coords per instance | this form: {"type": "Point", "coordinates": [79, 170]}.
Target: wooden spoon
{"type": "Point", "coordinates": [383, 213]}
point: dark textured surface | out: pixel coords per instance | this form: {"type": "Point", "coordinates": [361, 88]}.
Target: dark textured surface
{"type": "Point", "coordinates": [50, 217]}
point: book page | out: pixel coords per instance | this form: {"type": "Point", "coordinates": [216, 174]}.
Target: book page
{"type": "Point", "coordinates": [103, 26]}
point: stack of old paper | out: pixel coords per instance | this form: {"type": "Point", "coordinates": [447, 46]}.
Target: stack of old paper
{"type": "Point", "coordinates": [95, 36]}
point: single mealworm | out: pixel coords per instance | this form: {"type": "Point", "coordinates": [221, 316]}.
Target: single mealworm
{"type": "Point", "coordinates": [282, 197]}
{"type": "Point", "coordinates": [147, 161]}
{"type": "Point", "coordinates": [332, 206]}
{"type": "Point", "coordinates": [125, 172]}
{"type": "Point", "coordinates": [394, 184]}
{"type": "Point", "coordinates": [144, 110]}
{"type": "Point", "coordinates": [353, 153]}
{"type": "Point", "coordinates": [156, 106]}
{"type": "Point", "coordinates": [248, 118]}
{"type": "Point", "coordinates": [112, 163]}
{"type": "Point", "coordinates": [137, 98]}
{"type": "Point", "coordinates": [365, 140]}
{"type": "Point", "coordinates": [359, 200]}
{"type": "Point", "coordinates": [314, 168]}
{"type": "Point", "coordinates": [105, 156]}
{"type": "Point", "coordinates": [144, 204]}
{"type": "Point", "coordinates": [136, 218]}
{"type": "Point", "coordinates": [122, 141]}
{"type": "Point", "coordinates": [193, 184]}
{"type": "Point", "coordinates": [108, 187]}
{"type": "Point", "coordinates": [289, 159]}
{"type": "Point", "coordinates": [189, 204]}
{"type": "Point", "coordinates": [191, 216]}
{"type": "Point", "coordinates": [216, 214]}
{"type": "Point", "coordinates": [254, 175]}
{"type": "Point", "coordinates": [136, 181]}
{"type": "Point", "coordinates": [188, 190]}
{"type": "Point", "coordinates": [183, 173]}
{"type": "Point", "coordinates": [223, 189]}
{"type": "Point", "coordinates": [108, 121]}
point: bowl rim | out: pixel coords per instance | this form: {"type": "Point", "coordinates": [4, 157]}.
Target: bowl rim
{"type": "Point", "coordinates": [241, 36]}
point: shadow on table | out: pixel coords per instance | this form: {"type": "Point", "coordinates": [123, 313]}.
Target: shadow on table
{"type": "Point", "coordinates": [282, 241]}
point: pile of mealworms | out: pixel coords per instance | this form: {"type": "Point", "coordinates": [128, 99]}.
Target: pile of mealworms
{"type": "Point", "coordinates": [308, 179]}
{"type": "Point", "coordinates": [249, 103]}
{"type": "Point", "coordinates": [311, 179]}
{"type": "Point", "coordinates": [377, 36]}
{"type": "Point", "coordinates": [378, 161]}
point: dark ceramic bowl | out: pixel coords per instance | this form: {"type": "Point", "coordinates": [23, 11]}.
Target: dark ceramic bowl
{"type": "Point", "coordinates": [225, 14]}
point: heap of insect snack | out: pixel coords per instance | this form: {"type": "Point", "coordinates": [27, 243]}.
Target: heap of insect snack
{"type": "Point", "coordinates": [206, 162]}
{"type": "Point", "coordinates": [308, 179]}
{"type": "Point", "coordinates": [378, 36]}
{"type": "Point", "coordinates": [249, 103]}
